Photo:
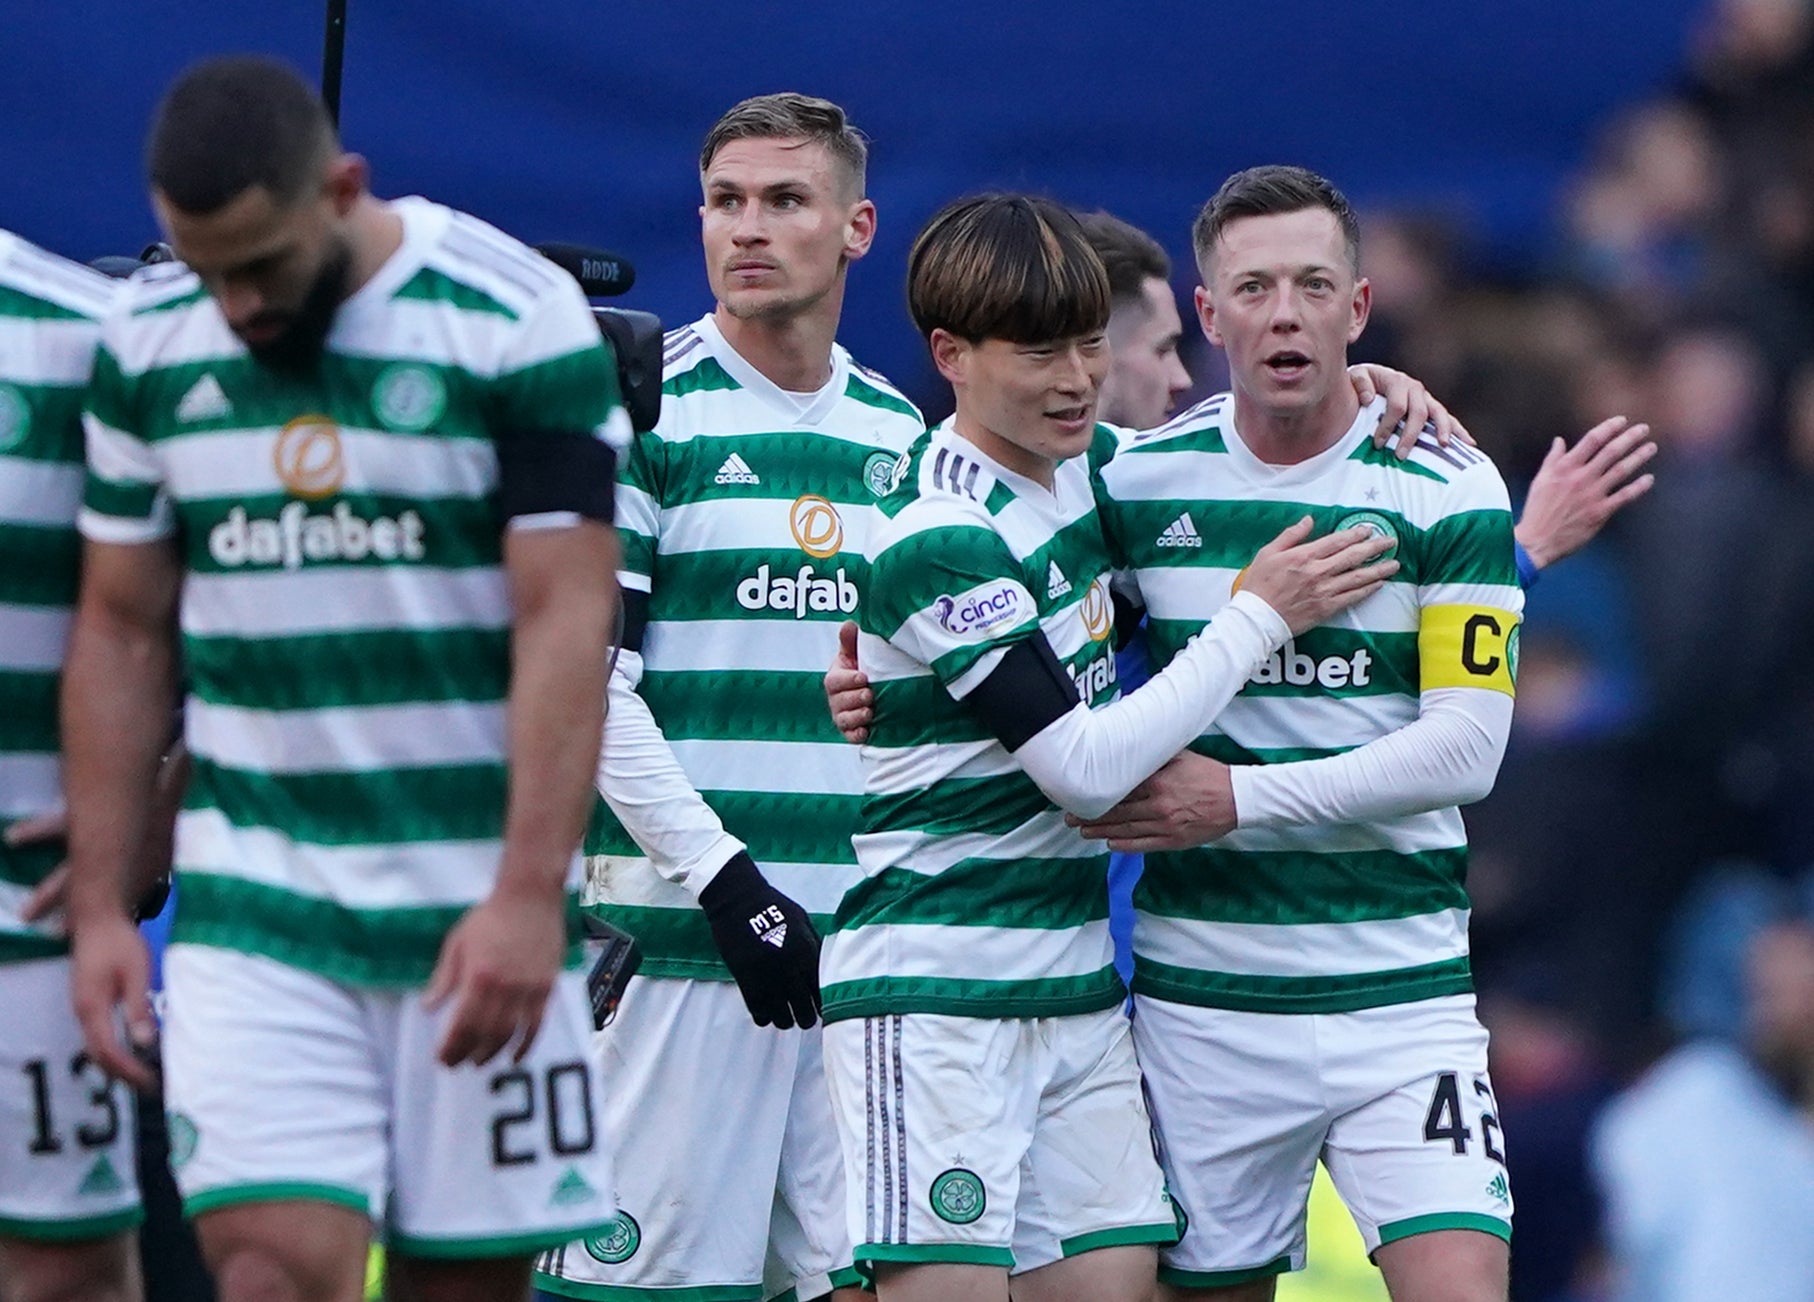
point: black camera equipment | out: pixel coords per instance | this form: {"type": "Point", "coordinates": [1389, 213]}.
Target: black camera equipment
{"type": "Point", "coordinates": [635, 336]}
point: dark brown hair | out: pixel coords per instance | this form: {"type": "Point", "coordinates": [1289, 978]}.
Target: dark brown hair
{"type": "Point", "coordinates": [1129, 255]}
{"type": "Point", "coordinates": [1006, 266]}
{"type": "Point", "coordinates": [1264, 192]}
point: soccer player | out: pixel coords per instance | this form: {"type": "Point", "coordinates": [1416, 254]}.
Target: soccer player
{"type": "Point", "coordinates": [745, 516]}
{"type": "Point", "coordinates": [1576, 491]}
{"type": "Point", "coordinates": [362, 451]}
{"type": "Point", "coordinates": [1302, 985]}
{"type": "Point", "coordinates": [982, 1074]}
{"type": "Point", "coordinates": [1146, 374]}
{"type": "Point", "coordinates": [68, 1191]}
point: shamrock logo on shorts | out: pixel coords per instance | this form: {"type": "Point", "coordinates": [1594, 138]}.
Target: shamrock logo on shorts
{"type": "Point", "coordinates": [618, 1242]}
{"type": "Point", "coordinates": [183, 1139]}
{"type": "Point", "coordinates": [958, 1197]}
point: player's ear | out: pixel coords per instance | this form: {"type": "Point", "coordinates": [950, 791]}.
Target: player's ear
{"type": "Point", "coordinates": [1363, 308]}
{"type": "Point", "coordinates": [951, 355]}
{"type": "Point", "coordinates": [859, 229]}
{"type": "Point", "coordinates": [1206, 316]}
{"type": "Point", "coordinates": [344, 181]}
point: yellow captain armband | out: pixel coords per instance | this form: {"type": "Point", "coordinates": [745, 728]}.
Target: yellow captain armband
{"type": "Point", "coordinates": [1468, 646]}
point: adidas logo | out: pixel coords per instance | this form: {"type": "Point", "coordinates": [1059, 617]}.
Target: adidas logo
{"type": "Point", "coordinates": [101, 1178]}
{"type": "Point", "coordinates": [571, 1189]}
{"type": "Point", "coordinates": [1499, 1189]}
{"type": "Point", "coordinates": [1056, 583]}
{"type": "Point", "coordinates": [776, 936]}
{"type": "Point", "coordinates": [1181, 532]}
{"type": "Point", "coordinates": [206, 400]}
{"type": "Point", "coordinates": [736, 470]}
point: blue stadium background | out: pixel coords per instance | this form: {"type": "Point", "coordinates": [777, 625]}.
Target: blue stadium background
{"type": "Point", "coordinates": [578, 120]}
{"type": "Point", "coordinates": [1577, 208]}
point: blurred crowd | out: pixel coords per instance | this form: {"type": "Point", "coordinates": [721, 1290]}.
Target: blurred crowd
{"type": "Point", "coordinates": [1639, 873]}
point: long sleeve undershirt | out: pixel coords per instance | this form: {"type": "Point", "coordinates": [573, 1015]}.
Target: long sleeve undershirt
{"type": "Point", "coordinates": [1449, 755]}
{"type": "Point", "coordinates": [643, 783]}
{"type": "Point", "coordinates": [1088, 760]}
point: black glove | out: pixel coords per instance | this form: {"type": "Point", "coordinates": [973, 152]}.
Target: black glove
{"type": "Point", "coordinates": [767, 942]}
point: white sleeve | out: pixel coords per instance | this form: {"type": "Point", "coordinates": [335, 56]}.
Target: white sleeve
{"type": "Point", "coordinates": [1088, 760]}
{"type": "Point", "coordinates": [644, 785]}
{"type": "Point", "coordinates": [1448, 755]}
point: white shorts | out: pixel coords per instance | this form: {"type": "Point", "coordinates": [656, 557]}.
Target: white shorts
{"type": "Point", "coordinates": [282, 1084]}
{"type": "Point", "coordinates": [66, 1130]}
{"type": "Point", "coordinates": [729, 1180]}
{"type": "Point", "coordinates": [1395, 1101]}
{"type": "Point", "coordinates": [995, 1142]}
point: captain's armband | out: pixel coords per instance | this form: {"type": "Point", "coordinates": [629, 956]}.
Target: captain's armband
{"type": "Point", "coordinates": [1468, 646]}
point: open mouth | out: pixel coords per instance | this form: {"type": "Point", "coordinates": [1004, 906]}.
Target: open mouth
{"type": "Point", "coordinates": [1072, 416]}
{"type": "Point", "coordinates": [1287, 364]}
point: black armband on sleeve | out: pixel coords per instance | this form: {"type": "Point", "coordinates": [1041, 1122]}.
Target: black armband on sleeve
{"type": "Point", "coordinates": [544, 472]}
{"type": "Point", "coordinates": [1027, 692]}
{"type": "Point", "coordinates": [635, 607]}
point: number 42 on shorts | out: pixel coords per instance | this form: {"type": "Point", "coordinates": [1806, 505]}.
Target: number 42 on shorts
{"type": "Point", "coordinates": [1444, 1123]}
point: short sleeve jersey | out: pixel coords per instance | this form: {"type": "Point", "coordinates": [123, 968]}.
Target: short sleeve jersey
{"type": "Point", "coordinates": [1323, 918]}
{"type": "Point", "coordinates": [745, 516]}
{"type": "Point", "coordinates": [976, 898]}
{"type": "Point", "coordinates": [50, 312]}
{"type": "Point", "coordinates": [345, 621]}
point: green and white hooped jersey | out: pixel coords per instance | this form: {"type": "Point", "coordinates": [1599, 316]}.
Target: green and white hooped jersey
{"type": "Point", "coordinates": [976, 899]}
{"type": "Point", "coordinates": [50, 312]}
{"type": "Point", "coordinates": [345, 623]}
{"type": "Point", "coordinates": [745, 515]}
{"type": "Point", "coordinates": [1323, 918]}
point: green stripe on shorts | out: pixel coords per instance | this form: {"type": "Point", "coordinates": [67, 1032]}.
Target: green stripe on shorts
{"type": "Point", "coordinates": [1445, 1221]}
{"type": "Point", "coordinates": [524, 1244]}
{"type": "Point", "coordinates": [1222, 1278]}
{"type": "Point", "coordinates": [1164, 1235]}
{"type": "Point", "coordinates": [275, 1191]}
{"type": "Point", "coordinates": [961, 1254]}
{"type": "Point", "coordinates": [72, 1231]}
{"type": "Point", "coordinates": [625, 1293]}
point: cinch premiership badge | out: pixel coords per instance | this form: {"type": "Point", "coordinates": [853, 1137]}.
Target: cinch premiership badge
{"type": "Point", "coordinates": [1378, 525]}
{"type": "Point", "coordinates": [957, 1196]}
{"type": "Point", "coordinates": [408, 398]}
{"type": "Point", "coordinates": [983, 609]}
{"type": "Point", "coordinates": [15, 418]}
{"type": "Point", "coordinates": [619, 1242]}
